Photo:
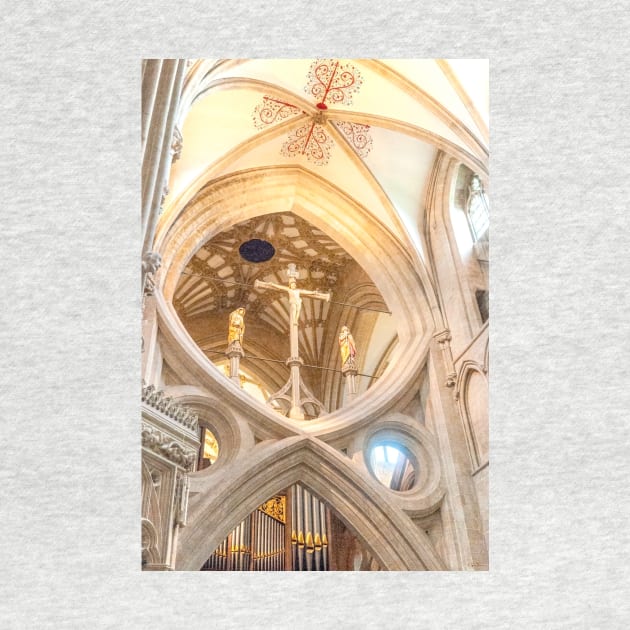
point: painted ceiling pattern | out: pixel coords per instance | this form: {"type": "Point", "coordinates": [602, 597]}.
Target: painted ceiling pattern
{"type": "Point", "coordinates": [370, 128]}
{"type": "Point", "coordinates": [218, 279]}
{"type": "Point", "coordinates": [330, 83]}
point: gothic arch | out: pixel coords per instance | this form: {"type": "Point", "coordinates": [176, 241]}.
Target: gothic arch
{"type": "Point", "coordinates": [445, 258]}
{"type": "Point", "coordinates": [150, 503]}
{"type": "Point", "coordinates": [150, 538]}
{"type": "Point", "coordinates": [403, 430]}
{"type": "Point", "coordinates": [232, 434]}
{"type": "Point", "coordinates": [397, 544]}
{"type": "Point", "coordinates": [462, 393]}
{"type": "Point", "coordinates": [406, 288]}
{"type": "Point", "coordinates": [262, 345]}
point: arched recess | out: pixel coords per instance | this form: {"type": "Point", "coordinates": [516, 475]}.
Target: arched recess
{"type": "Point", "coordinates": [457, 301]}
{"type": "Point", "coordinates": [405, 287]}
{"type": "Point", "coordinates": [234, 435]}
{"type": "Point", "coordinates": [150, 502]}
{"type": "Point", "coordinates": [387, 533]}
{"type": "Point", "coordinates": [404, 431]}
{"type": "Point", "coordinates": [151, 519]}
{"type": "Point", "coordinates": [150, 540]}
{"type": "Point", "coordinates": [261, 342]}
{"type": "Point", "coordinates": [361, 323]}
{"type": "Point", "coordinates": [472, 397]}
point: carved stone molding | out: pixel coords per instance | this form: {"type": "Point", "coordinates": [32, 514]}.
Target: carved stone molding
{"type": "Point", "coordinates": [180, 413]}
{"type": "Point", "coordinates": [349, 366]}
{"type": "Point", "coordinates": [164, 445]}
{"type": "Point", "coordinates": [482, 250]}
{"type": "Point", "coordinates": [443, 337]}
{"type": "Point", "coordinates": [181, 499]}
{"type": "Point", "coordinates": [151, 262]}
{"type": "Point", "coordinates": [165, 191]}
{"type": "Point", "coordinates": [177, 144]}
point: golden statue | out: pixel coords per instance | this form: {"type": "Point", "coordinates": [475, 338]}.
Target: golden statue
{"type": "Point", "coordinates": [236, 330]}
{"type": "Point", "coordinates": [347, 347]}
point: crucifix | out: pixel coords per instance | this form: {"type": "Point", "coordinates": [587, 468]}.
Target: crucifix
{"type": "Point", "coordinates": [295, 304]}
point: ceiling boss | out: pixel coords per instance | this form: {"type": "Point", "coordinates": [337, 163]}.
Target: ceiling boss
{"type": "Point", "coordinates": [329, 83]}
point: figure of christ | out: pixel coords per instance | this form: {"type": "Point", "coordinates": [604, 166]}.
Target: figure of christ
{"type": "Point", "coordinates": [295, 304]}
{"type": "Point", "coordinates": [295, 296]}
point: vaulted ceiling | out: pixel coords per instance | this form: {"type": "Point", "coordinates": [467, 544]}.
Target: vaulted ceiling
{"type": "Point", "coordinates": [379, 124]}
{"type": "Point", "coordinates": [367, 130]}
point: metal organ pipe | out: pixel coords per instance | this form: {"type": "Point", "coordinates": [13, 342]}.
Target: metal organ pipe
{"type": "Point", "coordinates": [300, 528]}
{"type": "Point", "coordinates": [308, 526]}
{"type": "Point", "coordinates": [280, 560]}
{"type": "Point", "coordinates": [241, 545]}
{"type": "Point", "coordinates": [272, 538]}
{"type": "Point", "coordinates": [291, 523]}
{"type": "Point", "coordinates": [259, 542]}
{"type": "Point", "coordinates": [317, 537]}
{"type": "Point", "coordinates": [279, 546]}
{"type": "Point", "coordinates": [266, 543]}
{"type": "Point", "coordinates": [323, 512]}
{"type": "Point", "coordinates": [258, 528]}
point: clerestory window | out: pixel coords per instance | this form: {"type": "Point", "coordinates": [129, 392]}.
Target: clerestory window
{"type": "Point", "coordinates": [478, 209]}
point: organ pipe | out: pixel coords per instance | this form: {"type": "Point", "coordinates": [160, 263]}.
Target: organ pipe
{"type": "Point", "coordinates": [259, 542]}
{"type": "Point", "coordinates": [295, 505]}
{"type": "Point", "coordinates": [324, 520]}
{"type": "Point", "coordinates": [256, 550]}
{"type": "Point", "coordinates": [317, 539]}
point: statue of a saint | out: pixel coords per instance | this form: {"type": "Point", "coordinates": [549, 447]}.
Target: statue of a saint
{"type": "Point", "coordinates": [236, 330]}
{"type": "Point", "coordinates": [347, 348]}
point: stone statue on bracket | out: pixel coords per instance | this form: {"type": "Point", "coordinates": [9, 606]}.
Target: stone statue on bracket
{"type": "Point", "coordinates": [348, 362]}
{"type": "Point", "coordinates": [236, 330]}
{"type": "Point", "coordinates": [234, 352]}
{"type": "Point", "coordinates": [347, 348]}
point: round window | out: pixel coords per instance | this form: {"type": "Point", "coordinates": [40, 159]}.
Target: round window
{"type": "Point", "coordinates": [392, 465]}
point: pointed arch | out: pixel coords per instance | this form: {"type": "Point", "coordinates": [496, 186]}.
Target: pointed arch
{"type": "Point", "coordinates": [233, 434]}
{"type": "Point", "coordinates": [404, 285]}
{"type": "Point", "coordinates": [477, 445]}
{"type": "Point", "coordinates": [397, 544]}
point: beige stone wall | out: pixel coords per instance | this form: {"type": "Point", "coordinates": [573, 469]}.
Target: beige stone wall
{"type": "Point", "coordinates": [431, 396]}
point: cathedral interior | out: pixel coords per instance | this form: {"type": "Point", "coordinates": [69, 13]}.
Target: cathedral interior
{"type": "Point", "coordinates": [339, 420]}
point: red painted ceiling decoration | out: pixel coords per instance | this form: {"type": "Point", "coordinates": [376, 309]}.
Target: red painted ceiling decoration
{"type": "Point", "coordinates": [272, 110]}
{"type": "Point", "coordinates": [332, 83]}
{"type": "Point", "coordinates": [329, 83]}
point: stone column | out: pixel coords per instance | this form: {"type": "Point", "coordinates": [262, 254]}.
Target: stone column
{"type": "Point", "coordinates": [295, 363]}
{"type": "Point", "coordinates": [444, 340]}
{"type": "Point", "coordinates": [162, 81]}
{"type": "Point", "coordinates": [461, 515]}
{"type": "Point", "coordinates": [181, 512]}
{"type": "Point", "coordinates": [235, 353]}
{"type": "Point", "coordinates": [349, 372]}
{"type": "Point", "coordinates": [151, 352]}
{"type": "Point", "coordinates": [151, 358]}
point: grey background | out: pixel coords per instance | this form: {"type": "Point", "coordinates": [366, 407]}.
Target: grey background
{"type": "Point", "coordinates": [70, 330]}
